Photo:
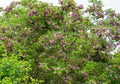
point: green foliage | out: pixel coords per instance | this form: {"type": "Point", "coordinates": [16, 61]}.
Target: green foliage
{"type": "Point", "coordinates": [45, 44]}
{"type": "Point", "coordinates": [13, 71]}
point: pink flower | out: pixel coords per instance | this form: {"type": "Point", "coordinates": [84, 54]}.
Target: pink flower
{"type": "Point", "coordinates": [100, 23]}
{"type": "Point", "coordinates": [89, 57]}
{"type": "Point", "coordinates": [30, 20]}
{"type": "Point", "coordinates": [119, 67]}
{"type": "Point", "coordinates": [3, 29]}
{"type": "Point", "coordinates": [80, 6]}
{"type": "Point", "coordinates": [55, 36]}
{"type": "Point", "coordinates": [8, 44]}
{"type": "Point", "coordinates": [80, 31]}
{"type": "Point", "coordinates": [36, 60]}
{"type": "Point", "coordinates": [103, 36]}
{"type": "Point", "coordinates": [98, 33]}
{"type": "Point", "coordinates": [29, 14]}
{"type": "Point", "coordinates": [29, 5]}
{"type": "Point", "coordinates": [1, 38]}
{"type": "Point", "coordinates": [71, 13]}
{"type": "Point", "coordinates": [85, 74]}
{"type": "Point", "coordinates": [16, 2]}
{"type": "Point", "coordinates": [21, 35]}
{"type": "Point", "coordinates": [33, 12]}
{"type": "Point", "coordinates": [61, 1]}
{"type": "Point", "coordinates": [52, 56]}
{"type": "Point", "coordinates": [51, 41]}
{"type": "Point", "coordinates": [46, 12]}
{"type": "Point", "coordinates": [7, 9]}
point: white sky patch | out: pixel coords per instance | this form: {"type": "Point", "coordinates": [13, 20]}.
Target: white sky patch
{"type": "Point", "coordinates": [108, 3]}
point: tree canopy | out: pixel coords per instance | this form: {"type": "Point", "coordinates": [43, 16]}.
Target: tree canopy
{"type": "Point", "coordinates": [45, 44]}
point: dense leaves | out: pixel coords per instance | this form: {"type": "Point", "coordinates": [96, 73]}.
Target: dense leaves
{"type": "Point", "coordinates": [67, 44]}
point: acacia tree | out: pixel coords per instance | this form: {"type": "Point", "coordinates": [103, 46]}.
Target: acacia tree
{"type": "Point", "coordinates": [58, 44]}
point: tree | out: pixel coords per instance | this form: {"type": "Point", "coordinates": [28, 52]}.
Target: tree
{"type": "Point", "coordinates": [59, 44]}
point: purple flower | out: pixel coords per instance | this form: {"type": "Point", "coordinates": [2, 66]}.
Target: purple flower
{"type": "Point", "coordinates": [46, 12]}
{"type": "Point", "coordinates": [29, 14]}
{"type": "Point", "coordinates": [8, 44]}
{"type": "Point", "coordinates": [74, 28]}
{"type": "Point", "coordinates": [1, 38]}
{"type": "Point", "coordinates": [16, 2]}
{"type": "Point", "coordinates": [100, 23]}
{"type": "Point", "coordinates": [21, 35]}
{"type": "Point", "coordinates": [29, 5]}
{"type": "Point", "coordinates": [17, 16]}
{"type": "Point", "coordinates": [3, 29]}
{"type": "Point", "coordinates": [98, 33]}
{"type": "Point", "coordinates": [80, 6]}
{"type": "Point", "coordinates": [61, 1]}
{"type": "Point", "coordinates": [52, 56]}
{"type": "Point", "coordinates": [36, 60]}
{"type": "Point", "coordinates": [7, 9]}
{"type": "Point", "coordinates": [89, 57]}
{"type": "Point", "coordinates": [85, 74]}
{"type": "Point", "coordinates": [80, 31]}
{"type": "Point", "coordinates": [103, 36]}
{"type": "Point", "coordinates": [65, 79]}
{"type": "Point", "coordinates": [60, 37]}
{"type": "Point", "coordinates": [51, 41]}
{"type": "Point", "coordinates": [119, 67]}
{"type": "Point", "coordinates": [105, 13]}
{"type": "Point", "coordinates": [33, 12]}
{"type": "Point", "coordinates": [55, 36]}
{"type": "Point", "coordinates": [13, 3]}
{"type": "Point", "coordinates": [71, 13]}
{"type": "Point", "coordinates": [55, 27]}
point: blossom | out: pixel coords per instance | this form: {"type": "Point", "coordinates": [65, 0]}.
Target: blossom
{"type": "Point", "coordinates": [52, 56]}
{"type": "Point", "coordinates": [85, 74]}
{"type": "Point", "coordinates": [29, 5]}
{"type": "Point", "coordinates": [119, 67]}
{"type": "Point", "coordinates": [36, 60]}
{"type": "Point", "coordinates": [100, 23]}
{"type": "Point", "coordinates": [89, 57]}
{"type": "Point", "coordinates": [3, 29]}
{"type": "Point", "coordinates": [98, 33]}
{"type": "Point", "coordinates": [80, 31]}
{"type": "Point", "coordinates": [80, 6]}
{"type": "Point", "coordinates": [8, 44]}
{"type": "Point", "coordinates": [7, 9]}
{"type": "Point", "coordinates": [21, 35]}
{"type": "Point", "coordinates": [61, 1]}
{"type": "Point", "coordinates": [31, 13]}
{"type": "Point", "coordinates": [51, 41]}
{"type": "Point", "coordinates": [55, 36]}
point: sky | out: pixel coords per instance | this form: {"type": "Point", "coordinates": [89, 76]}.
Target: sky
{"type": "Point", "coordinates": [114, 4]}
